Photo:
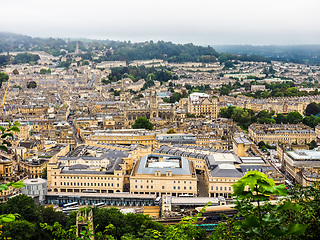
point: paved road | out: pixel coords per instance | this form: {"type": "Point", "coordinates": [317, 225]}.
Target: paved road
{"type": "Point", "coordinates": [202, 190]}
{"type": "Point", "coordinates": [75, 135]}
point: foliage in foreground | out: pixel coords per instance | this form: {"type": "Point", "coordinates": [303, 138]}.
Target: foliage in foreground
{"type": "Point", "coordinates": [258, 218]}
{"type": "Point", "coordinates": [297, 216]}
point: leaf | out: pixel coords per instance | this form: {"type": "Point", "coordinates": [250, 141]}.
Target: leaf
{"type": "Point", "coordinates": [2, 129]}
{"type": "Point", "coordinates": [288, 205]}
{"type": "Point", "coordinates": [3, 187]}
{"type": "Point", "coordinates": [16, 184]}
{"type": "Point", "coordinates": [297, 229]}
{"type": "Point", "coordinates": [6, 135]}
{"type": "Point", "coordinates": [16, 123]}
{"type": "Point", "coordinates": [277, 232]}
{"type": "Point", "coordinates": [250, 222]}
{"type": "Point", "coordinates": [281, 190]}
{"type": "Point", "coordinates": [14, 129]}
{"type": "Point", "coordinates": [4, 148]}
{"type": "Point", "coordinates": [7, 218]}
{"type": "Point", "coordinates": [9, 122]}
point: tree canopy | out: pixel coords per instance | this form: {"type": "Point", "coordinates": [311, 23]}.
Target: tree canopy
{"type": "Point", "coordinates": [3, 78]}
{"type": "Point", "coordinates": [32, 84]}
{"type": "Point", "coordinates": [142, 122]}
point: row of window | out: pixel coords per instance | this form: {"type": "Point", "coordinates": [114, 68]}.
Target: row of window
{"type": "Point", "coordinates": [223, 180]}
{"type": "Point", "coordinates": [87, 184]}
{"type": "Point", "coordinates": [151, 181]}
{"type": "Point", "coordinates": [96, 178]}
{"type": "Point", "coordinates": [178, 187]}
{"type": "Point", "coordinates": [147, 187]}
{"type": "Point", "coordinates": [142, 181]}
{"type": "Point", "coordinates": [221, 188]}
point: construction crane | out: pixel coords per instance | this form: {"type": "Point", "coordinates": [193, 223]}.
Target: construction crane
{"type": "Point", "coordinates": [5, 93]}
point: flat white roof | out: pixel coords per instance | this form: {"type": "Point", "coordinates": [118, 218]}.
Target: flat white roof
{"type": "Point", "coordinates": [304, 154]}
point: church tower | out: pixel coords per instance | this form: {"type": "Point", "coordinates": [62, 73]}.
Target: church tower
{"type": "Point", "coordinates": [154, 111]}
{"type": "Point", "coordinates": [122, 92]}
{"type": "Point", "coordinates": [77, 49]}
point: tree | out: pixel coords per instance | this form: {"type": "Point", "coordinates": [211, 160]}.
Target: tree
{"type": "Point", "coordinates": [313, 144]}
{"type": "Point", "coordinates": [32, 84]}
{"type": "Point", "coordinates": [175, 97]}
{"type": "Point", "coordinates": [171, 131]}
{"type": "Point", "coordinates": [43, 71]}
{"type": "Point", "coordinates": [261, 144]}
{"type": "Point", "coordinates": [27, 212]}
{"type": "Point", "coordinates": [279, 94]}
{"type": "Point", "coordinates": [280, 118]}
{"type": "Point", "coordinates": [309, 121]}
{"type": "Point", "coordinates": [44, 173]}
{"type": "Point", "coordinates": [294, 117]}
{"type": "Point", "coordinates": [166, 100]}
{"type": "Point", "coordinates": [17, 86]}
{"type": "Point", "coordinates": [312, 109]}
{"type": "Point", "coordinates": [85, 63]}
{"type": "Point", "coordinates": [224, 90]}
{"type": "Point", "coordinates": [19, 230]}
{"type": "Point", "coordinates": [263, 220]}
{"type": "Point", "coordinates": [142, 122]}
{"type": "Point", "coordinates": [308, 198]}
{"type": "Point", "coordinates": [228, 64]}
{"type": "Point", "coordinates": [15, 72]}
{"type": "Point", "coordinates": [3, 78]}
{"type": "Point", "coordinates": [50, 215]}
{"type": "Point", "coordinates": [291, 92]}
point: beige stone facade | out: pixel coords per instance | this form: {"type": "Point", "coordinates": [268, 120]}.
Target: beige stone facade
{"type": "Point", "coordinates": [302, 166]}
{"type": "Point", "coordinates": [5, 168]}
{"type": "Point", "coordinates": [281, 133]}
{"type": "Point", "coordinates": [146, 179]}
{"type": "Point", "coordinates": [124, 136]}
{"type": "Point", "coordinates": [205, 107]}
{"type": "Point", "coordinates": [241, 146]}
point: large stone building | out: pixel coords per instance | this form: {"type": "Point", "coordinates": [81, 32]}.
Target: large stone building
{"type": "Point", "coordinates": [102, 172]}
{"type": "Point", "coordinates": [34, 165]}
{"type": "Point", "coordinates": [281, 133]}
{"type": "Point", "coordinates": [151, 110]}
{"type": "Point", "coordinates": [217, 170]}
{"type": "Point", "coordinates": [163, 175]}
{"type": "Point", "coordinates": [302, 166]}
{"type": "Point", "coordinates": [121, 136]}
{"type": "Point", "coordinates": [201, 104]}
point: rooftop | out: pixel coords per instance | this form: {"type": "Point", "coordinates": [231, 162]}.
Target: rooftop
{"type": "Point", "coordinates": [302, 154]}
{"type": "Point", "coordinates": [152, 163]}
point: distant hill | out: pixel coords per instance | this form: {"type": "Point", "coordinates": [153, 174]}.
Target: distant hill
{"type": "Point", "coordinates": [307, 54]}
{"type": "Point", "coordinates": [123, 51]}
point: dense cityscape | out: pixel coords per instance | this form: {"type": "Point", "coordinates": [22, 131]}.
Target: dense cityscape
{"type": "Point", "coordinates": [132, 140]}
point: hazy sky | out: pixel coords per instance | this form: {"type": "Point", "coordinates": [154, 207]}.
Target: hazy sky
{"type": "Point", "coordinates": [201, 22]}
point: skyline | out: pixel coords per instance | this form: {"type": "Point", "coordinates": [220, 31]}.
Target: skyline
{"type": "Point", "coordinates": [208, 23]}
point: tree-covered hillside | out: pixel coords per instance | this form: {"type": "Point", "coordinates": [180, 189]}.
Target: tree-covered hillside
{"type": "Point", "coordinates": [307, 54]}
{"type": "Point", "coordinates": [120, 51]}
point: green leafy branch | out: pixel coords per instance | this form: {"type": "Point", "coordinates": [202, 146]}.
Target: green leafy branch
{"type": "Point", "coordinates": [13, 127]}
{"type": "Point", "coordinates": [263, 220]}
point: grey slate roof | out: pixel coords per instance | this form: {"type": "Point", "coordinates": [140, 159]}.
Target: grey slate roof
{"type": "Point", "coordinates": [220, 171]}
